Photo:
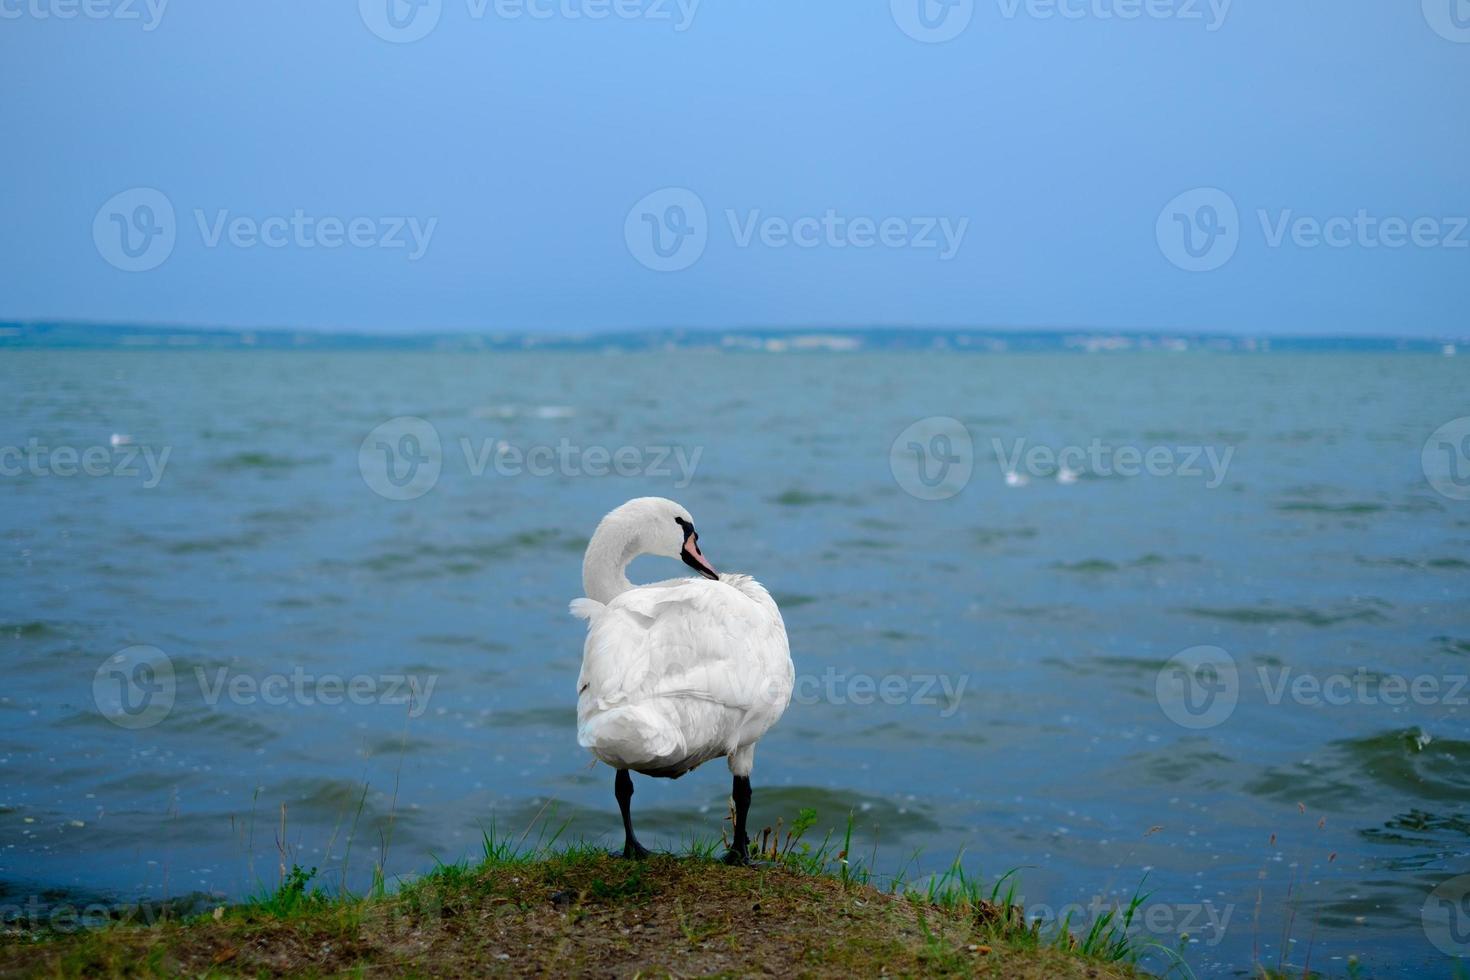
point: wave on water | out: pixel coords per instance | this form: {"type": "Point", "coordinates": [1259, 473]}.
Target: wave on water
{"type": "Point", "coordinates": [1268, 615]}
{"type": "Point", "coordinates": [256, 460]}
{"type": "Point", "coordinates": [1402, 760]}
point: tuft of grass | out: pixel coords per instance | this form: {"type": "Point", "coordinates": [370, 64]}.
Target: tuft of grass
{"type": "Point", "coordinates": [292, 897]}
{"type": "Point", "coordinates": [1108, 937]}
{"type": "Point", "coordinates": [995, 908]}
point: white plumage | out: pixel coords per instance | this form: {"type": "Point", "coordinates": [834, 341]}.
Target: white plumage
{"type": "Point", "coordinates": [679, 672]}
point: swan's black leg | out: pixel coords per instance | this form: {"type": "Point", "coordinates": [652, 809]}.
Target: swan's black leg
{"type": "Point", "coordinates": [739, 852]}
{"type": "Point", "coordinates": [623, 790]}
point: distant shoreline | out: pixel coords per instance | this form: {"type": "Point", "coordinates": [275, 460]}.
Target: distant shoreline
{"type": "Point", "coordinates": [48, 335]}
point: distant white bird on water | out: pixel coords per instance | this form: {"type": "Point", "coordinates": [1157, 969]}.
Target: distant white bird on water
{"type": "Point", "coordinates": [679, 672]}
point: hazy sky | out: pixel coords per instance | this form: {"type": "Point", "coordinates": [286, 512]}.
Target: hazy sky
{"type": "Point", "coordinates": [529, 164]}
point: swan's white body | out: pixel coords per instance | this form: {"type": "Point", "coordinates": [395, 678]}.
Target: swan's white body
{"type": "Point", "coordinates": [675, 673]}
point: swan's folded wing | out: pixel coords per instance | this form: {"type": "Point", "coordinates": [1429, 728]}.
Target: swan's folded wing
{"type": "Point", "coordinates": [686, 639]}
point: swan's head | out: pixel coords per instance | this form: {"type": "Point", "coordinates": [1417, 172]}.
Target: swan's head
{"type": "Point", "coordinates": [662, 527]}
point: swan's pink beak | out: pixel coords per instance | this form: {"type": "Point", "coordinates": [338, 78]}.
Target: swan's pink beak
{"type": "Point", "coordinates": [694, 559]}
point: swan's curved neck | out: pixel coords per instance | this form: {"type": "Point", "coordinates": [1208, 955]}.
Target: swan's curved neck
{"type": "Point", "coordinates": [604, 568]}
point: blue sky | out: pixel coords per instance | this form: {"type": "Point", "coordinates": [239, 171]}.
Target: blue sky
{"type": "Point", "coordinates": [829, 163]}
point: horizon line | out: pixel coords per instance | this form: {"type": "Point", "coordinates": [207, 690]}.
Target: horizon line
{"type": "Point", "coordinates": [623, 331]}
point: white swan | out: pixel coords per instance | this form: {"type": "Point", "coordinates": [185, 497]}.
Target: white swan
{"type": "Point", "coordinates": [675, 673]}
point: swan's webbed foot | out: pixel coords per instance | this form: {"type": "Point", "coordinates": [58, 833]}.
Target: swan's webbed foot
{"type": "Point", "coordinates": [633, 851]}
{"type": "Point", "coordinates": [738, 857]}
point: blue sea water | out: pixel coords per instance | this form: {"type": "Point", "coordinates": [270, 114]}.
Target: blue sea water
{"type": "Point", "coordinates": [986, 673]}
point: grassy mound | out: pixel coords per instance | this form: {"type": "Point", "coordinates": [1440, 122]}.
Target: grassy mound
{"type": "Point", "coordinates": [798, 910]}
{"type": "Point", "coordinates": [579, 912]}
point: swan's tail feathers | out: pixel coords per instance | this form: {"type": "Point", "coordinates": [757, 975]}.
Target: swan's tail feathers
{"type": "Point", "coordinates": [586, 608]}
{"type": "Point", "coordinates": [633, 736]}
